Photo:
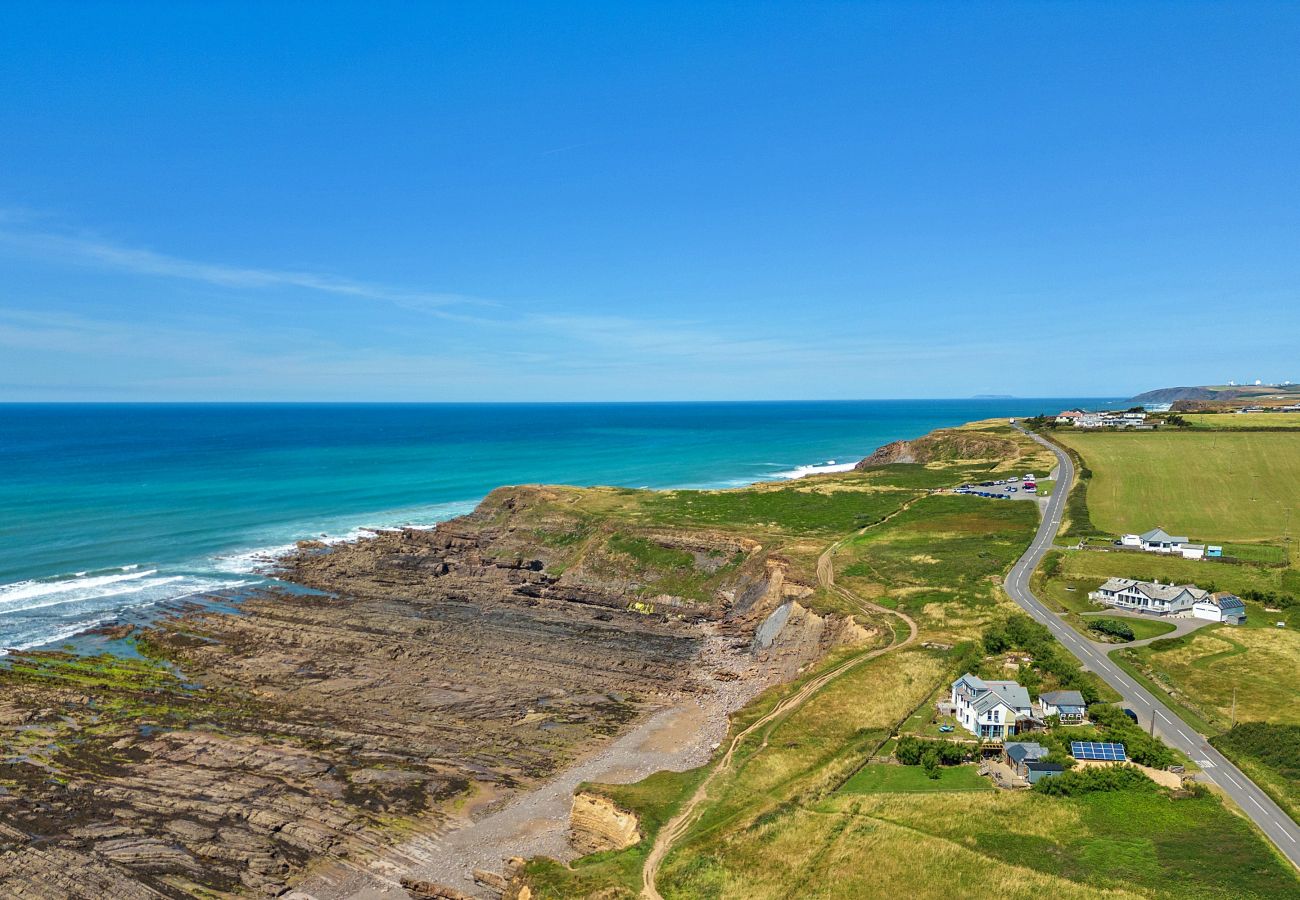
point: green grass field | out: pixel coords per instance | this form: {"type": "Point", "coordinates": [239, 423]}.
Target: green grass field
{"type": "Point", "coordinates": [888, 779]}
{"type": "Point", "coordinates": [1234, 421]}
{"type": "Point", "coordinates": [1211, 665]}
{"type": "Point", "coordinates": [1225, 486]}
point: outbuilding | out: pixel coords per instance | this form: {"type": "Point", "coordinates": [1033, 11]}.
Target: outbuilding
{"type": "Point", "coordinates": [1020, 753]}
{"type": "Point", "coordinates": [1038, 770]}
{"type": "Point", "coordinates": [1221, 607]}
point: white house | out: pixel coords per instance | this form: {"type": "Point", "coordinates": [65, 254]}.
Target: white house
{"type": "Point", "coordinates": [1149, 597]}
{"type": "Point", "coordinates": [1068, 416]}
{"type": "Point", "coordinates": [1069, 705]}
{"type": "Point", "coordinates": [1089, 420]}
{"type": "Point", "coordinates": [1221, 607]}
{"type": "Point", "coordinates": [989, 709]}
{"type": "Point", "coordinates": [1157, 540]}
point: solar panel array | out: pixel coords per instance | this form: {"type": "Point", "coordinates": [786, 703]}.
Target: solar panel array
{"type": "Point", "coordinates": [1098, 750]}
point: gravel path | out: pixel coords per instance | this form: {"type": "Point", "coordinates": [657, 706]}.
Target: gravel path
{"type": "Point", "coordinates": [536, 822]}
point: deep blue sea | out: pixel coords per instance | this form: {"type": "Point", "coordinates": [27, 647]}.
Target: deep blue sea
{"type": "Point", "coordinates": [111, 511]}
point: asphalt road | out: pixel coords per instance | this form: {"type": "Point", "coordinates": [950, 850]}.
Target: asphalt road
{"type": "Point", "coordinates": [1270, 818]}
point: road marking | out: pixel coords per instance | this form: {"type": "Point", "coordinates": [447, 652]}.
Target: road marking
{"type": "Point", "coordinates": [1291, 836]}
{"type": "Point", "coordinates": [1207, 764]}
{"type": "Point", "coordinates": [1163, 716]}
{"type": "Point", "coordinates": [1233, 780]}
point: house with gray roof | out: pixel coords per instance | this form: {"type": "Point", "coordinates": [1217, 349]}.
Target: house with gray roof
{"type": "Point", "coordinates": [1068, 705]}
{"type": "Point", "coordinates": [1157, 540]}
{"type": "Point", "coordinates": [1149, 597]}
{"type": "Point", "coordinates": [989, 709]}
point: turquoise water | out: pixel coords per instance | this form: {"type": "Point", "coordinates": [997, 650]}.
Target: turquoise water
{"type": "Point", "coordinates": [109, 511]}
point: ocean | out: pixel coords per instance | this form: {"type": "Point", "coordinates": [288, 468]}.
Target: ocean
{"type": "Point", "coordinates": [112, 512]}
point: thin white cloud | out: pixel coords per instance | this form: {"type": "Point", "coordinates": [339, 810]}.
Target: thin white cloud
{"type": "Point", "coordinates": [137, 261]}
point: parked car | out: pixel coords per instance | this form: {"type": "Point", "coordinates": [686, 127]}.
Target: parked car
{"type": "Point", "coordinates": [1132, 715]}
{"type": "Point", "coordinates": [1012, 490]}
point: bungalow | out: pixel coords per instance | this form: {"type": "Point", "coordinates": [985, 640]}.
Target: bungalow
{"type": "Point", "coordinates": [1150, 597]}
{"type": "Point", "coordinates": [1157, 540]}
{"type": "Point", "coordinates": [1068, 416]}
{"type": "Point", "coordinates": [1069, 705]}
{"type": "Point", "coordinates": [1088, 420]}
{"type": "Point", "coordinates": [1221, 607]}
{"type": "Point", "coordinates": [989, 709]}
{"type": "Point", "coordinates": [1018, 753]}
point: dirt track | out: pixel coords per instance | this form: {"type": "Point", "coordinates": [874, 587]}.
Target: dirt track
{"type": "Point", "coordinates": [678, 825]}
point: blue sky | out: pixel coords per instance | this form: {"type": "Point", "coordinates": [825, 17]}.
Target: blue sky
{"type": "Point", "coordinates": [670, 201]}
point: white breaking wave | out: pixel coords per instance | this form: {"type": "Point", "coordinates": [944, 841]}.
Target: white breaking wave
{"type": "Point", "coordinates": [43, 613]}
{"type": "Point", "coordinates": [27, 590]}
{"type": "Point", "coordinates": [39, 639]}
{"type": "Point", "coordinates": [828, 466]}
{"type": "Point", "coordinates": [248, 562]}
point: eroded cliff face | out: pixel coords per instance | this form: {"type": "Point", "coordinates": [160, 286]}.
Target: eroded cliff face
{"type": "Point", "coordinates": [943, 445]}
{"type": "Point", "coordinates": [596, 823]}
{"type": "Point", "coordinates": [442, 667]}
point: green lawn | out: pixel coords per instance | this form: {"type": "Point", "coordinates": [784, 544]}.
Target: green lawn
{"type": "Point", "coordinates": [1142, 628]}
{"type": "Point", "coordinates": [1212, 486]}
{"type": "Point", "coordinates": [885, 779]}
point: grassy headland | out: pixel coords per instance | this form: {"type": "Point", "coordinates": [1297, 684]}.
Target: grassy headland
{"type": "Point", "coordinates": [804, 809]}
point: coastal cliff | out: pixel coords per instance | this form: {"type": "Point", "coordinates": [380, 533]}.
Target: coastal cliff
{"type": "Point", "coordinates": [944, 445]}
{"type": "Point", "coordinates": [415, 673]}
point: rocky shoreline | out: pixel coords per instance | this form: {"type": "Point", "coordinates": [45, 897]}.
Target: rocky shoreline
{"type": "Point", "coordinates": [438, 674]}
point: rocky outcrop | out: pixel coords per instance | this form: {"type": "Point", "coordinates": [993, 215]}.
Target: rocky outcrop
{"type": "Point", "coordinates": [596, 823]}
{"type": "Point", "coordinates": [944, 445]}
{"type": "Point", "coordinates": [424, 669]}
{"type": "Point", "coordinates": [431, 890]}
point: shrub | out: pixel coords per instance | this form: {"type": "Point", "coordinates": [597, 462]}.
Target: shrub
{"type": "Point", "coordinates": [1052, 563]}
{"type": "Point", "coordinates": [1140, 746]}
{"type": "Point", "coordinates": [912, 751]}
{"type": "Point", "coordinates": [1270, 599]}
{"type": "Point", "coordinates": [1093, 779]}
{"type": "Point", "coordinates": [1277, 746]}
{"type": "Point", "coordinates": [1112, 627]}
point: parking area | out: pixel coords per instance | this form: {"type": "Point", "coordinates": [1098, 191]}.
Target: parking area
{"type": "Point", "coordinates": [1022, 488]}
